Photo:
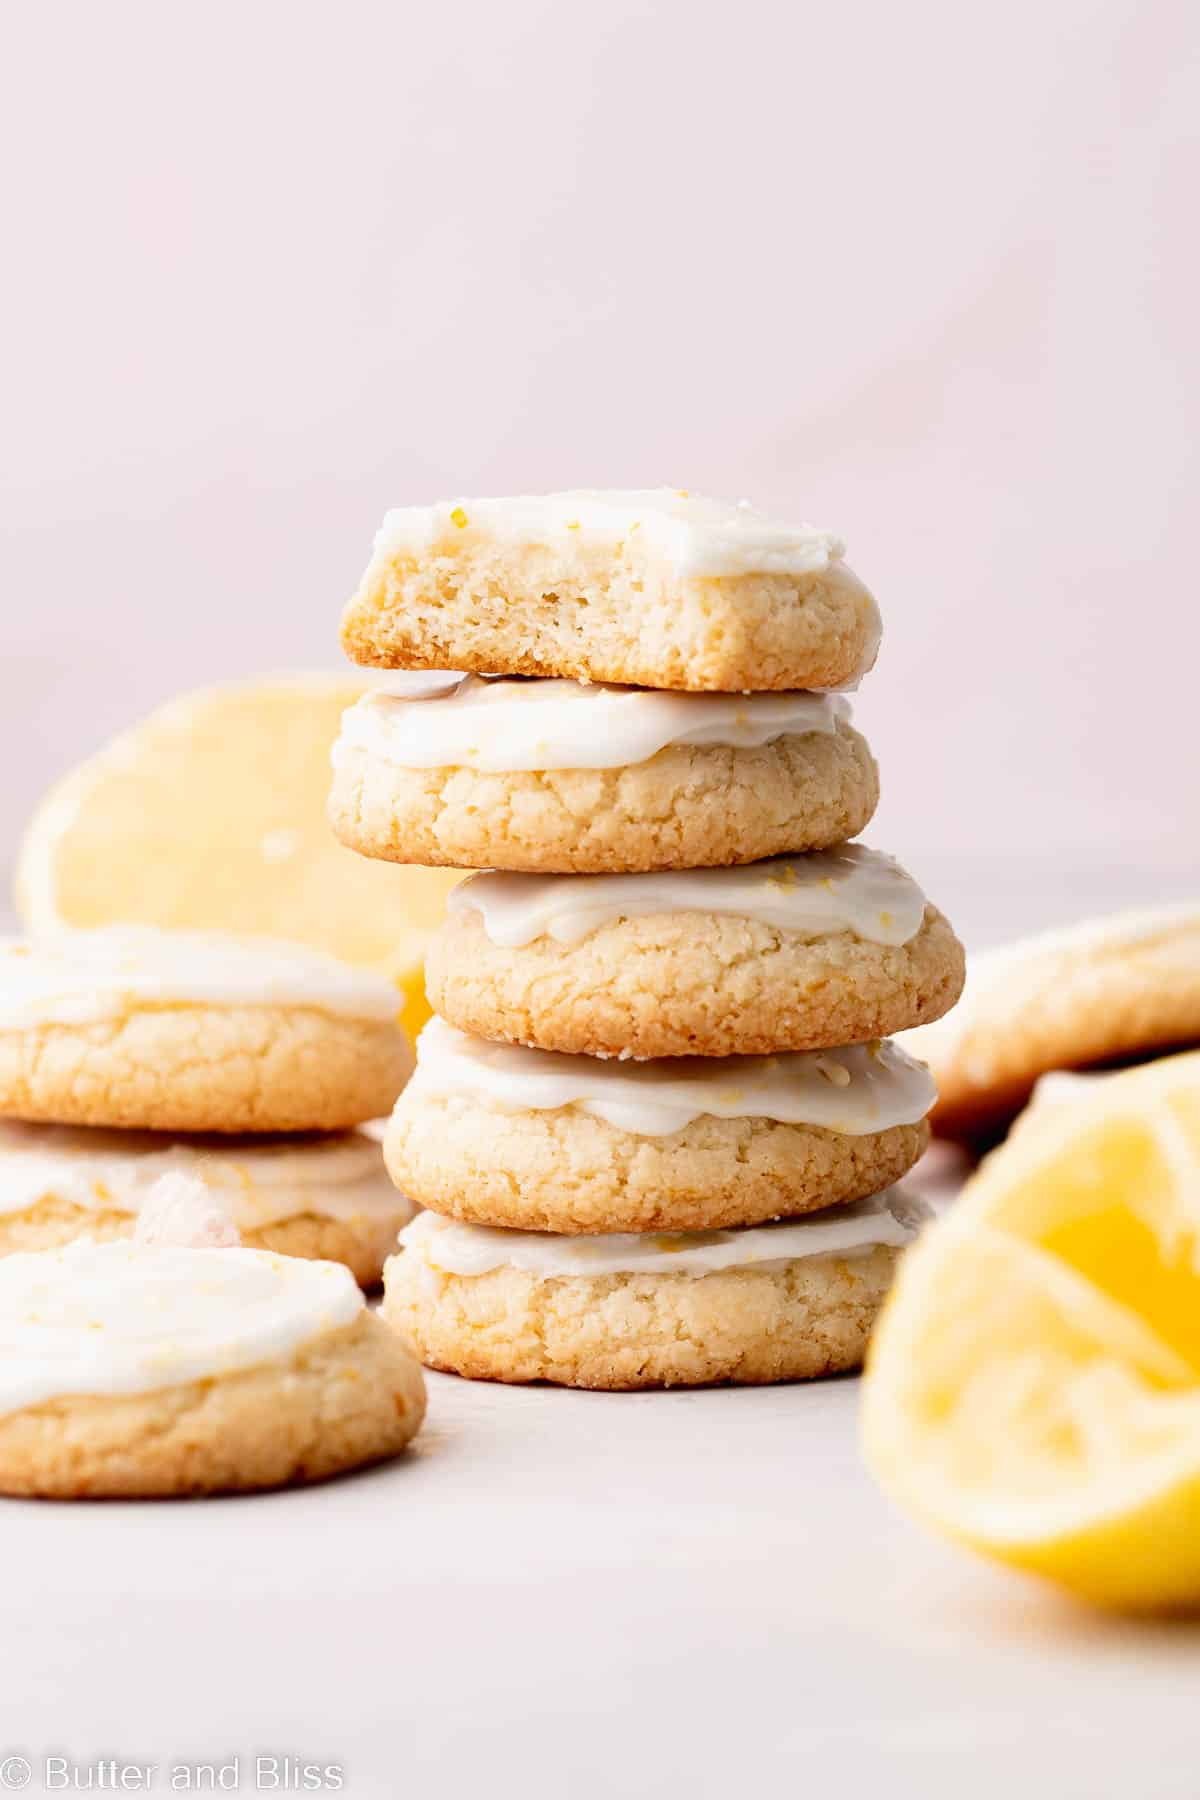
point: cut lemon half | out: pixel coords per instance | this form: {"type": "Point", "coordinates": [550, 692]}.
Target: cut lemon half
{"type": "Point", "coordinates": [1033, 1388]}
{"type": "Point", "coordinates": [210, 815]}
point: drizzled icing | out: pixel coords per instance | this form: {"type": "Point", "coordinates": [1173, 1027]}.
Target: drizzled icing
{"type": "Point", "coordinates": [130, 1319]}
{"type": "Point", "coordinates": [849, 889]}
{"type": "Point", "coordinates": [261, 1180]}
{"type": "Point", "coordinates": [857, 1091]}
{"type": "Point", "coordinates": [510, 726]}
{"type": "Point", "coordinates": [82, 976]}
{"type": "Point", "coordinates": [451, 1248]}
{"type": "Point", "coordinates": [693, 536]}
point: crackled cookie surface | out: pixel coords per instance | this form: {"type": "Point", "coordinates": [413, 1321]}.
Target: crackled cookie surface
{"type": "Point", "coordinates": [194, 1032]}
{"type": "Point", "coordinates": [131, 1370]}
{"type": "Point", "coordinates": [496, 1134]}
{"type": "Point", "coordinates": [657, 588]}
{"type": "Point", "coordinates": [557, 776]}
{"type": "Point", "coordinates": [1108, 990]}
{"type": "Point", "coordinates": [780, 1303]}
{"type": "Point", "coordinates": [793, 953]}
{"type": "Point", "coordinates": [327, 1197]}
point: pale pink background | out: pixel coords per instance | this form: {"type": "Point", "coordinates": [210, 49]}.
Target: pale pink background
{"type": "Point", "coordinates": [923, 272]}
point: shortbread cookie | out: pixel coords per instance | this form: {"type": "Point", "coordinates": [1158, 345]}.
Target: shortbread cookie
{"type": "Point", "coordinates": [131, 1370]}
{"type": "Point", "coordinates": [494, 1134]}
{"type": "Point", "coordinates": [795, 953]}
{"type": "Point", "coordinates": [186, 1031]}
{"type": "Point", "coordinates": [326, 1197]}
{"type": "Point", "coordinates": [552, 776]}
{"type": "Point", "coordinates": [1104, 991]}
{"type": "Point", "coordinates": [657, 588]}
{"type": "Point", "coordinates": [781, 1303]}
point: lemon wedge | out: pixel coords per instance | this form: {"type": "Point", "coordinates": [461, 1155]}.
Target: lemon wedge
{"type": "Point", "coordinates": [1033, 1388]}
{"type": "Point", "coordinates": [210, 815]}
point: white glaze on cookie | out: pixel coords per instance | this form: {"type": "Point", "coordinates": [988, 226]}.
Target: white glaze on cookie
{"type": "Point", "coordinates": [129, 1319]}
{"type": "Point", "coordinates": [695, 537]}
{"type": "Point", "coordinates": [863, 1089]}
{"type": "Point", "coordinates": [81, 976]}
{"type": "Point", "coordinates": [828, 891]}
{"type": "Point", "coordinates": [514, 726]}
{"type": "Point", "coordinates": [449, 1247]}
{"type": "Point", "coordinates": [179, 1210]}
{"type": "Point", "coordinates": [261, 1180]}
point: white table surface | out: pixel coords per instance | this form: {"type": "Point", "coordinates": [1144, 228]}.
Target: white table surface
{"type": "Point", "coordinates": [592, 1596]}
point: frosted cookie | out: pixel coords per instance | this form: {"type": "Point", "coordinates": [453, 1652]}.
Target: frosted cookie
{"type": "Point", "coordinates": [499, 1135]}
{"type": "Point", "coordinates": [795, 953]}
{"type": "Point", "coordinates": [551, 776]}
{"type": "Point", "coordinates": [327, 1197]}
{"type": "Point", "coordinates": [191, 1031]}
{"type": "Point", "coordinates": [133, 1370]}
{"type": "Point", "coordinates": [656, 588]}
{"type": "Point", "coordinates": [1104, 991]}
{"type": "Point", "coordinates": [781, 1303]}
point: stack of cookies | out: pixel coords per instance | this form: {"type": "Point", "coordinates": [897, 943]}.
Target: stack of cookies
{"type": "Point", "coordinates": [656, 1121]}
{"type": "Point", "coordinates": [128, 1054]}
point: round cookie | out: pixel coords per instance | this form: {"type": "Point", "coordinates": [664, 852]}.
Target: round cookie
{"type": "Point", "coordinates": [494, 1134]}
{"type": "Point", "coordinates": [321, 1197]}
{"type": "Point", "coordinates": [194, 1032]}
{"type": "Point", "coordinates": [557, 777]}
{"type": "Point", "coordinates": [1104, 991]}
{"type": "Point", "coordinates": [658, 588]}
{"type": "Point", "coordinates": [136, 1372]}
{"type": "Point", "coordinates": [790, 954]}
{"type": "Point", "coordinates": [781, 1303]}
